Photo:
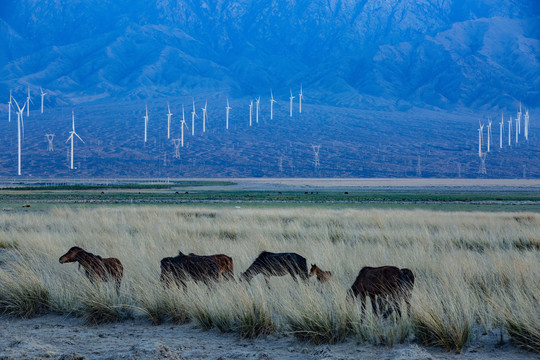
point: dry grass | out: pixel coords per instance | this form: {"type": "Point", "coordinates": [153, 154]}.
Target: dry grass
{"type": "Point", "coordinates": [473, 270]}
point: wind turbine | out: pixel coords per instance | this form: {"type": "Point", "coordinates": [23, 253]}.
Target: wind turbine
{"type": "Point", "coordinates": [169, 114]}
{"type": "Point", "coordinates": [228, 108]}
{"type": "Point", "coordinates": [489, 135]}
{"type": "Point", "coordinates": [480, 135]}
{"type": "Point", "coordinates": [28, 100]}
{"type": "Point", "coordinates": [250, 111]}
{"type": "Point", "coordinates": [519, 119]}
{"type": "Point", "coordinates": [42, 97]}
{"type": "Point", "coordinates": [145, 123]}
{"type": "Point", "coordinates": [204, 116]}
{"type": "Point", "coordinates": [193, 115]}
{"type": "Point", "coordinates": [510, 132]}
{"type": "Point", "coordinates": [300, 98]}
{"type": "Point", "coordinates": [517, 128]}
{"type": "Point", "coordinates": [291, 101]}
{"type": "Point", "coordinates": [272, 101]}
{"type": "Point", "coordinates": [527, 125]}
{"type": "Point", "coordinates": [20, 124]}
{"type": "Point", "coordinates": [501, 126]}
{"type": "Point", "coordinates": [72, 132]}
{"type": "Point", "coordinates": [9, 105]}
{"type": "Point", "coordinates": [257, 113]}
{"type": "Point", "coordinates": [182, 124]}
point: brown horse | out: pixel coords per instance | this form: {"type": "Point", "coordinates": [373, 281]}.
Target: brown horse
{"type": "Point", "coordinates": [277, 264]}
{"type": "Point", "coordinates": [382, 283]}
{"type": "Point", "coordinates": [95, 267]}
{"type": "Point", "coordinates": [322, 276]}
{"type": "Point", "coordinates": [226, 265]}
{"type": "Point", "coordinates": [184, 267]}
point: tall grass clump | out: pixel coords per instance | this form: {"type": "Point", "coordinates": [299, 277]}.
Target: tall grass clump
{"type": "Point", "coordinates": [22, 293]}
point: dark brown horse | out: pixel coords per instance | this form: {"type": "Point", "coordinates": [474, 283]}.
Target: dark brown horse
{"type": "Point", "coordinates": [277, 264]}
{"type": "Point", "coordinates": [322, 276]}
{"type": "Point", "coordinates": [188, 267]}
{"type": "Point", "coordinates": [383, 284]}
{"type": "Point", "coordinates": [226, 265]}
{"type": "Point", "coordinates": [95, 267]}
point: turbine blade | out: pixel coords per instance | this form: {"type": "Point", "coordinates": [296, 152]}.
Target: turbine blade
{"type": "Point", "coordinates": [69, 138]}
{"type": "Point", "coordinates": [79, 137]}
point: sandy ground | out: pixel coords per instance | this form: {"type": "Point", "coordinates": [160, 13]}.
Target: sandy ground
{"type": "Point", "coordinates": [56, 337]}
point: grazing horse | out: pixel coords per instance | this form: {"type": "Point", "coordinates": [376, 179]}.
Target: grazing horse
{"type": "Point", "coordinates": [322, 276]}
{"type": "Point", "coordinates": [95, 267]}
{"type": "Point", "coordinates": [383, 282]}
{"type": "Point", "coordinates": [277, 264]}
{"type": "Point", "coordinates": [184, 267]}
{"type": "Point", "coordinates": [226, 265]}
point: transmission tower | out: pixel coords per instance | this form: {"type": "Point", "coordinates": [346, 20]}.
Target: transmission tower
{"type": "Point", "coordinates": [50, 138]}
{"type": "Point", "coordinates": [316, 149]}
{"type": "Point", "coordinates": [177, 143]}
{"type": "Point", "coordinates": [280, 164]}
{"type": "Point", "coordinates": [418, 167]}
{"type": "Point", "coordinates": [483, 164]}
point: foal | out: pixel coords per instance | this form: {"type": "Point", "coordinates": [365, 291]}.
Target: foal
{"type": "Point", "coordinates": [322, 276]}
{"type": "Point", "coordinates": [95, 267]}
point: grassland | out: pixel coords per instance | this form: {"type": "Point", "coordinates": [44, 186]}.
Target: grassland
{"type": "Point", "coordinates": [475, 271]}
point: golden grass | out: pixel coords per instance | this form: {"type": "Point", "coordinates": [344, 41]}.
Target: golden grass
{"type": "Point", "coordinates": [473, 270]}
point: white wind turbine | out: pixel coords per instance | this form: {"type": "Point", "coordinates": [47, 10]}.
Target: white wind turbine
{"type": "Point", "coordinates": [204, 116]}
{"type": "Point", "coordinates": [250, 111]}
{"type": "Point", "coordinates": [145, 123]}
{"type": "Point", "coordinates": [182, 124]}
{"type": "Point", "coordinates": [228, 108]}
{"type": "Point", "coordinates": [291, 101]}
{"type": "Point", "coordinates": [519, 119]}
{"type": "Point", "coordinates": [169, 114]}
{"type": "Point", "coordinates": [501, 126]}
{"type": "Point", "coordinates": [193, 116]}
{"type": "Point", "coordinates": [28, 100]}
{"type": "Point", "coordinates": [489, 135]}
{"type": "Point", "coordinates": [71, 137]}
{"type": "Point", "coordinates": [527, 125]}
{"type": "Point", "coordinates": [480, 135]}
{"type": "Point", "coordinates": [20, 124]}
{"type": "Point", "coordinates": [257, 112]}
{"type": "Point", "coordinates": [42, 97]}
{"type": "Point", "coordinates": [272, 101]}
{"type": "Point", "coordinates": [300, 98]}
{"type": "Point", "coordinates": [517, 128]}
{"type": "Point", "coordinates": [9, 105]}
{"type": "Point", "coordinates": [510, 132]}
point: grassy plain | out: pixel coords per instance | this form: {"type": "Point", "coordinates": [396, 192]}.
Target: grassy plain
{"type": "Point", "coordinates": [475, 270]}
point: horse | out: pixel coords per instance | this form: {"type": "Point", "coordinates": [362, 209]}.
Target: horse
{"type": "Point", "coordinates": [96, 268]}
{"type": "Point", "coordinates": [322, 276]}
{"type": "Point", "coordinates": [184, 267]}
{"type": "Point", "coordinates": [277, 264]}
{"type": "Point", "coordinates": [382, 283]}
{"type": "Point", "coordinates": [226, 265]}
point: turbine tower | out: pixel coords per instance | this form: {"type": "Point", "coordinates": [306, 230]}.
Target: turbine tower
{"type": "Point", "coordinates": [204, 116]}
{"type": "Point", "coordinates": [71, 137]}
{"type": "Point", "coordinates": [193, 115]}
{"type": "Point", "coordinates": [517, 129]}
{"type": "Point", "coordinates": [250, 111]}
{"type": "Point", "coordinates": [291, 101]}
{"type": "Point", "coordinates": [519, 119]}
{"type": "Point", "coordinates": [257, 113]}
{"type": "Point", "coordinates": [182, 124]}
{"type": "Point", "coordinates": [300, 99]}
{"type": "Point", "coordinates": [50, 138]}
{"type": "Point", "coordinates": [527, 125]}
{"type": "Point", "coordinates": [501, 126]}
{"type": "Point", "coordinates": [28, 100]}
{"type": "Point", "coordinates": [272, 101]}
{"type": "Point", "coordinates": [10, 105]}
{"type": "Point", "coordinates": [169, 114]}
{"type": "Point", "coordinates": [480, 135]}
{"type": "Point", "coordinates": [489, 136]}
{"type": "Point", "coordinates": [42, 97]}
{"type": "Point", "coordinates": [145, 123]}
{"type": "Point", "coordinates": [510, 132]}
{"type": "Point", "coordinates": [228, 108]}
{"type": "Point", "coordinates": [20, 124]}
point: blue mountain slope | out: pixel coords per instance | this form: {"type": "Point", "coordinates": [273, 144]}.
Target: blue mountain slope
{"type": "Point", "coordinates": [481, 54]}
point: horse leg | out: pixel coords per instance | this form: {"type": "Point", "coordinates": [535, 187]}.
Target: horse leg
{"type": "Point", "coordinates": [117, 281]}
{"type": "Point", "coordinates": [363, 307]}
{"type": "Point", "coordinates": [373, 304]}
